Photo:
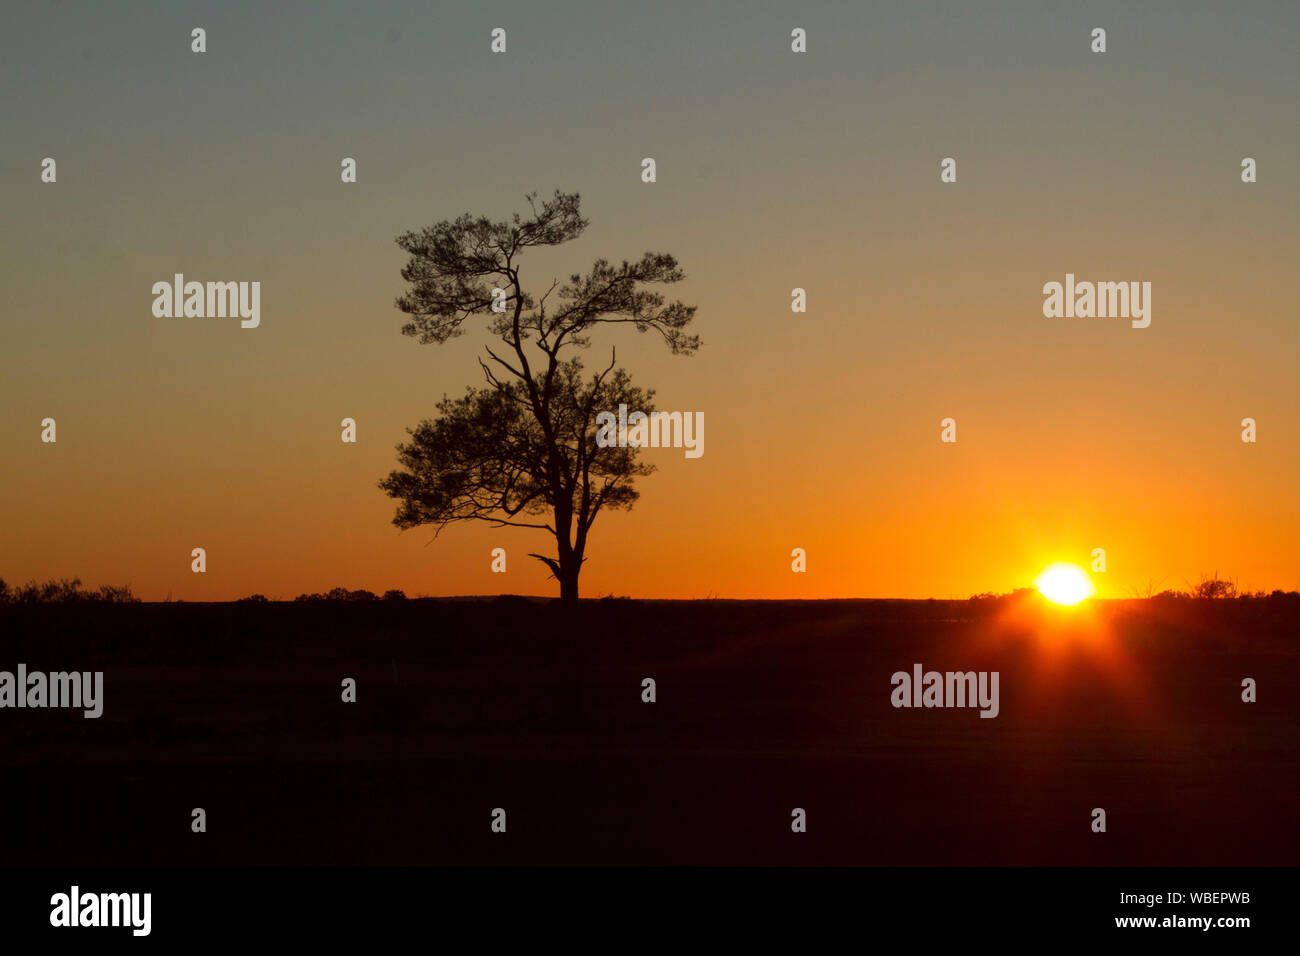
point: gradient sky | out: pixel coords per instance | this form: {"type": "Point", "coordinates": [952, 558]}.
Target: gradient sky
{"type": "Point", "coordinates": [775, 170]}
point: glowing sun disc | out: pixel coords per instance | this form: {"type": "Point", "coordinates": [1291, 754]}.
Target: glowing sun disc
{"type": "Point", "coordinates": [1066, 584]}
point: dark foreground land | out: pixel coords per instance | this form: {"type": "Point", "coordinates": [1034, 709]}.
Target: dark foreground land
{"type": "Point", "coordinates": [762, 707]}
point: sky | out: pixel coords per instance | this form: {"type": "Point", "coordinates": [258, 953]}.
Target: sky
{"type": "Point", "coordinates": [775, 170]}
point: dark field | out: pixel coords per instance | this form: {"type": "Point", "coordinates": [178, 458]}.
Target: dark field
{"type": "Point", "coordinates": [1134, 707]}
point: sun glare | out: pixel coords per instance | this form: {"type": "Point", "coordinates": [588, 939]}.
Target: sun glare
{"type": "Point", "coordinates": [1066, 584]}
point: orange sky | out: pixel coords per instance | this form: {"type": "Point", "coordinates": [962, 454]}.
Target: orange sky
{"type": "Point", "coordinates": [822, 429]}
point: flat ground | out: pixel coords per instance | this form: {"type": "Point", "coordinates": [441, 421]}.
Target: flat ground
{"type": "Point", "coordinates": [762, 707]}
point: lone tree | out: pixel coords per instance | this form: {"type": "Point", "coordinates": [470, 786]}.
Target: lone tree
{"type": "Point", "coordinates": [524, 446]}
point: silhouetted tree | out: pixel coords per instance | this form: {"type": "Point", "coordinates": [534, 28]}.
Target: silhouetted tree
{"type": "Point", "coordinates": [1214, 588]}
{"type": "Point", "coordinates": [525, 445]}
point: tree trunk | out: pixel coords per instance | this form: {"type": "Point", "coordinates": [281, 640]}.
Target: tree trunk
{"type": "Point", "coordinates": [569, 581]}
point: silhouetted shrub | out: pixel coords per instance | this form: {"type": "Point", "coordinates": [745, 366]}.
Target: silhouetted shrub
{"type": "Point", "coordinates": [64, 591]}
{"type": "Point", "coordinates": [339, 594]}
{"type": "Point", "coordinates": [1214, 588]}
{"type": "Point", "coordinates": [115, 595]}
{"type": "Point", "coordinates": [394, 595]}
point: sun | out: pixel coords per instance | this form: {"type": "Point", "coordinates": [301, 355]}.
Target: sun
{"type": "Point", "coordinates": [1063, 583]}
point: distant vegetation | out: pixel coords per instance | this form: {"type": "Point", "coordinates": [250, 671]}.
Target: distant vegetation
{"type": "Point", "coordinates": [343, 594]}
{"type": "Point", "coordinates": [988, 597]}
{"type": "Point", "coordinates": [64, 591]}
{"type": "Point", "coordinates": [70, 591]}
{"type": "Point", "coordinates": [1211, 587]}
